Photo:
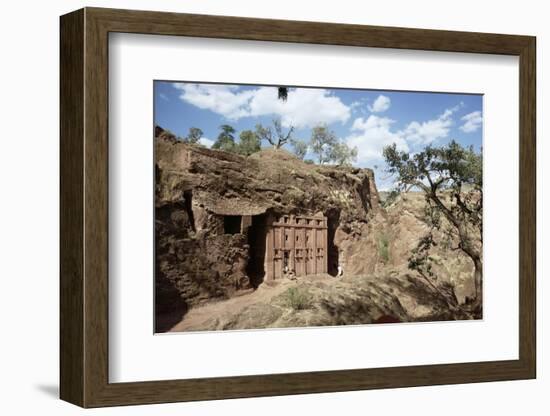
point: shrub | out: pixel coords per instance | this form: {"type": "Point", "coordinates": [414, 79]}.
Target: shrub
{"type": "Point", "coordinates": [390, 198]}
{"type": "Point", "coordinates": [384, 248]}
{"type": "Point", "coordinates": [298, 299]}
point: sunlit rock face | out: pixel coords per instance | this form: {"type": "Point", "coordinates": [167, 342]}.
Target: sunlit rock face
{"type": "Point", "coordinates": [213, 208]}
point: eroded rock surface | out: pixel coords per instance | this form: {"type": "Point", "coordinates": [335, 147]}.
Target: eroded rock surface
{"type": "Point", "coordinates": [211, 207]}
{"type": "Point", "coordinates": [199, 192]}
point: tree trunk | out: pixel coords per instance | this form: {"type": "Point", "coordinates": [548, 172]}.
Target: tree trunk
{"type": "Point", "coordinates": [478, 281]}
{"type": "Point", "coordinates": [466, 245]}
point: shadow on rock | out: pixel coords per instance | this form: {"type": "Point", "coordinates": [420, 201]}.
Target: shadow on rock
{"type": "Point", "coordinates": [365, 305]}
{"type": "Point", "coordinates": [440, 304]}
{"type": "Point", "coordinates": [170, 308]}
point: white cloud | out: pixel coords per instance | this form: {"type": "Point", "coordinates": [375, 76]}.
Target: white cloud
{"type": "Point", "coordinates": [206, 142]}
{"type": "Point", "coordinates": [472, 122]}
{"type": "Point", "coordinates": [355, 104]}
{"type": "Point", "coordinates": [429, 131]}
{"type": "Point", "coordinates": [381, 104]}
{"type": "Point", "coordinates": [359, 106]}
{"type": "Point", "coordinates": [371, 136]}
{"type": "Point", "coordinates": [221, 99]}
{"type": "Point", "coordinates": [304, 107]}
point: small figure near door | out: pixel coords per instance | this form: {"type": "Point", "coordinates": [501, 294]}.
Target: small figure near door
{"type": "Point", "coordinates": [291, 275]}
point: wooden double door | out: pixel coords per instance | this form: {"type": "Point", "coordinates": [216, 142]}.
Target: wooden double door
{"type": "Point", "coordinates": [296, 245]}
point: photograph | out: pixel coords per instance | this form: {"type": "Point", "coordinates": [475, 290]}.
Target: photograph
{"type": "Point", "coordinates": [267, 208]}
{"type": "Point", "coordinates": [286, 207]}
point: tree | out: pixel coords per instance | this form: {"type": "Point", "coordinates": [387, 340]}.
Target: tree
{"type": "Point", "coordinates": [451, 179]}
{"type": "Point", "coordinates": [322, 141]}
{"type": "Point", "coordinates": [226, 139]}
{"type": "Point", "coordinates": [299, 147]}
{"type": "Point", "coordinates": [341, 154]}
{"type": "Point", "coordinates": [329, 148]}
{"type": "Point", "coordinates": [274, 136]}
{"type": "Point", "coordinates": [194, 135]}
{"type": "Point", "coordinates": [249, 143]}
{"type": "Point", "coordinates": [422, 262]}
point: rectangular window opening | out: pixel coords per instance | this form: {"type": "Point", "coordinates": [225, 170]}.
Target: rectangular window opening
{"type": "Point", "coordinates": [232, 224]}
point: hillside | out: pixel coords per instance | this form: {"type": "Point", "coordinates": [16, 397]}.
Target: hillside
{"type": "Point", "coordinates": [214, 210]}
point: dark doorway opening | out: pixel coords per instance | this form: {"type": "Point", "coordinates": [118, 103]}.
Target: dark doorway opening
{"type": "Point", "coordinates": [188, 205]}
{"type": "Point", "coordinates": [232, 224]}
{"type": "Point", "coordinates": [333, 219]}
{"type": "Point", "coordinates": [256, 241]}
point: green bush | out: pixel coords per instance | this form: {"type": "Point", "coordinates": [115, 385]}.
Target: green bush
{"type": "Point", "coordinates": [384, 248]}
{"type": "Point", "coordinates": [298, 299]}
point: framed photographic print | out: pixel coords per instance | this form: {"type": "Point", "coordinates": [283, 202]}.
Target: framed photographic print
{"type": "Point", "coordinates": [255, 207]}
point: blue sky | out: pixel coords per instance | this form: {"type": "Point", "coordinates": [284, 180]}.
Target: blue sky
{"type": "Point", "coordinates": [366, 119]}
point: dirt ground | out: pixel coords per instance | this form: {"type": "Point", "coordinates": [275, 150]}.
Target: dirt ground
{"type": "Point", "coordinates": [323, 300]}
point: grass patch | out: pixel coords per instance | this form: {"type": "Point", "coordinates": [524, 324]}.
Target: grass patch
{"type": "Point", "coordinates": [298, 298]}
{"type": "Point", "coordinates": [384, 247]}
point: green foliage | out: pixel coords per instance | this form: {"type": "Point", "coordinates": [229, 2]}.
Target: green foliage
{"type": "Point", "coordinates": [384, 247]}
{"type": "Point", "coordinates": [309, 161]}
{"type": "Point", "coordinates": [420, 259]}
{"type": "Point", "coordinates": [298, 299]}
{"type": "Point", "coordinates": [321, 142]}
{"type": "Point", "coordinates": [447, 167]}
{"type": "Point", "coordinates": [194, 135]}
{"type": "Point", "coordinates": [226, 139]}
{"type": "Point", "coordinates": [249, 143]}
{"type": "Point", "coordinates": [299, 147]}
{"type": "Point", "coordinates": [342, 154]}
{"type": "Point", "coordinates": [450, 169]}
{"type": "Point", "coordinates": [328, 148]}
{"type": "Point", "coordinates": [451, 178]}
